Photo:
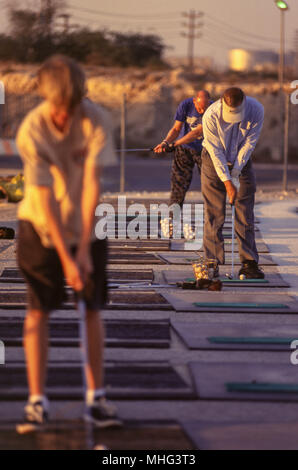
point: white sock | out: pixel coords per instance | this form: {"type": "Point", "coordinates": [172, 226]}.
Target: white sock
{"type": "Point", "coordinates": [92, 395]}
{"type": "Point", "coordinates": [42, 398]}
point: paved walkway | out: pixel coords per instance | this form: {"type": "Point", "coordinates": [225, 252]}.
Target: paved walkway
{"type": "Point", "coordinates": [191, 419]}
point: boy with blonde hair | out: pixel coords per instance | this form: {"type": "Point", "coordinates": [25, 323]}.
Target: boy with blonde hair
{"type": "Point", "coordinates": [63, 142]}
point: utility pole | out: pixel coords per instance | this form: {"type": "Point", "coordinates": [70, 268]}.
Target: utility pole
{"type": "Point", "coordinates": [192, 34]}
{"type": "Point", "coordinates": [65, 17]}
{"type": "Point", "coordinates": [296, 52]}
{"type": "Point", "coordinates": [283, 7]}
{"type": "Point", "coordinates": [286, 141]}
{"type": "Point", "coordinates": [46, 12]}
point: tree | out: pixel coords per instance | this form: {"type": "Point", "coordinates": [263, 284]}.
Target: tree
{"type": "Point", "coordinates": [32, 29]}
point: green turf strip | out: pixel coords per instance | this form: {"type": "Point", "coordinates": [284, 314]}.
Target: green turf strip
{"type": "Point", "coordinates": [249, 340]}
{"type": "Point", "coordinates": [260, 387]}
{"type": "Point", "coordinates": [244, 281]}
{"type": "Point", "coordinates": [239, 305]}
{"type": "Point", "coordinates": [238, 281]}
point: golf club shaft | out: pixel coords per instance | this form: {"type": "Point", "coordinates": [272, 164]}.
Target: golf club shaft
{"type": "Point", "coordinates": [134, 150]}
{"type": "Point", "coordinates": [233, 237]}
{"type": "Point", "coordinates": [83, 337]}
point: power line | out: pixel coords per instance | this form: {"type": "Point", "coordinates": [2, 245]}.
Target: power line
{"type": "Point", "coordinates": [240, 31]}
{"type": "Point", "coordinates": [236, 40]}
{"type": "Point", "coordinates": [125, 27]}
{"type": "Point", "coordinates": [145, 16]}
{"type": "Point", "coordinates": [296, 51]}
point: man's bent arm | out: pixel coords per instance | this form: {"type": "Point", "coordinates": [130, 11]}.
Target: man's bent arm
{"type": "Point", "coordinates": [90, 199]}
{"type": "Point", "coordinates": [190, 136]}
{"type": "Point", "coordinates": [250, 142]}
{"type": "Point", "coordinates": [50, 207]}
{"type": "Point", "coordinates": [214, 147]}
{"type": "Point", "coordinates": [174, 132]}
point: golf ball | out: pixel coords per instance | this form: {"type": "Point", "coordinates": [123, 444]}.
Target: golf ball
{"type": "Point", "coordinates": [242, 277]}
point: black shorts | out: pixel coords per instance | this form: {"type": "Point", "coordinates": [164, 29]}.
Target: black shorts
{"type": "Point", "coordinates": [44, 276]}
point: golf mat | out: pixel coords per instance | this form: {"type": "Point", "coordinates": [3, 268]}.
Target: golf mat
{"type": "Point", "coordinates": [139, 245]}
{"type": "Point", "coordinates": [245, 381]}
{"type": "Point", "coordinates": [119, 333]}
{"type": "Point", "coordinates": [118, 299]}
{"type": "Point", "coordinates": [180, 257]}
{"type": "Point", "coordinates": [235, 336]}
{"type": "Point", "coordinates": [14, 275]}
{"type": "Point", "coordinates": [242, 436]}
{"type": "Point", "coordinates": [178, 245]}
{"type": "Point", "coordinates": [123, 379]}
{"type": "Point", "coordinates": [121, 257]}
{"type": "Point", "coordinates": [204, 301]}
{"type": "Point", "coordinates": [271, 280]}
{"type": "Point", "coordinates": [125, 275]}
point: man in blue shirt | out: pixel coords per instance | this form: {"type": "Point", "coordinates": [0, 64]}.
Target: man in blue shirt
{"type": "Point", "coordinates": [186, 136]}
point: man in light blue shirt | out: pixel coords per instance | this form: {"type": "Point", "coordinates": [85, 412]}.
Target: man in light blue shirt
{"type": "Point", "coordinates": [231, 129]}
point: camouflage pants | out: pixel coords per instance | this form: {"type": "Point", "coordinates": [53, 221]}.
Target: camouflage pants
{"type": "Point", "coordinates": [181, 174]}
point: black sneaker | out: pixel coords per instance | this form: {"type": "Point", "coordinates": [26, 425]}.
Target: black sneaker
{"type": "Point", "coordinates": [251, 270]}
{"type": "Point", "coordinates": [35, 418]}
{"type": "Point", "coordinates": [216, 271]}
{"type": "Point", "coordinates": [102, 414]}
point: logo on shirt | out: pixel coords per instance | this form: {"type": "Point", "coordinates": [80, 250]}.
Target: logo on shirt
{"type": "Point", "coordinates": [193, 122]}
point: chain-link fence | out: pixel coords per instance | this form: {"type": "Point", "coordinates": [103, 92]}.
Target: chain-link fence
{"type": "Point", "coordinates": [14, 110]}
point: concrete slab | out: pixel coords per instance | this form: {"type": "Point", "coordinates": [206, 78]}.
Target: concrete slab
{"type": "Point", "coordinates": [235, 336]}
{"type": "Point", "coordinates": [204, 301]}
{"type": "Point", "coordinates": [242, 436]}
{"type": "Point", "coordinates": [75, 435]}
{"type": "Point", "coordinates": [254, 381]}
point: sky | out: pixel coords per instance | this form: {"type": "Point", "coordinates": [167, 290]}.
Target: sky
{"type": "Point", "coordinates": [248, 24]}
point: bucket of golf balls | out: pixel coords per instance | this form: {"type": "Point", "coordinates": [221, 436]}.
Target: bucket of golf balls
{"type": "Point", "coordinates": [204, 268]}
{"type": "Point", "coordinates": [200, 269]}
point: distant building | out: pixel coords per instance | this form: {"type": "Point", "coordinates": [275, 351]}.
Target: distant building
{"type": "Point", "coordinates": [243, 60]}
{"type": "Point", "coordinates": [240, 60]}
{"type": "Point", "coordinates": [205, 63]}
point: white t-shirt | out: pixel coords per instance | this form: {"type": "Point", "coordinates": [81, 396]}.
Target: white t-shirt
{"type": "Point", "coordinates": [56, 159]}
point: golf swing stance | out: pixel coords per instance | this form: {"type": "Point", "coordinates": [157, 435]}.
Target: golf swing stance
{"type": "Point", "coordinates": [231, 127]}
{"type": "Point", "coordinates": [63, 142]}
{"type": "Point", "coordinates": [185, 138]}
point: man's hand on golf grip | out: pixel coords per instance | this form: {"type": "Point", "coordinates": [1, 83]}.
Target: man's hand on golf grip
{"type": "Point", "coordinates": [84, 261]}
{"type": "Point", "coordinates": [164, 147]}
{"type": "Point", "coordinates": [231, 191]}
{"type": "Point", "coordinates": [73, 274]}
{"type": "Point", "coordinates": [160, 147]}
